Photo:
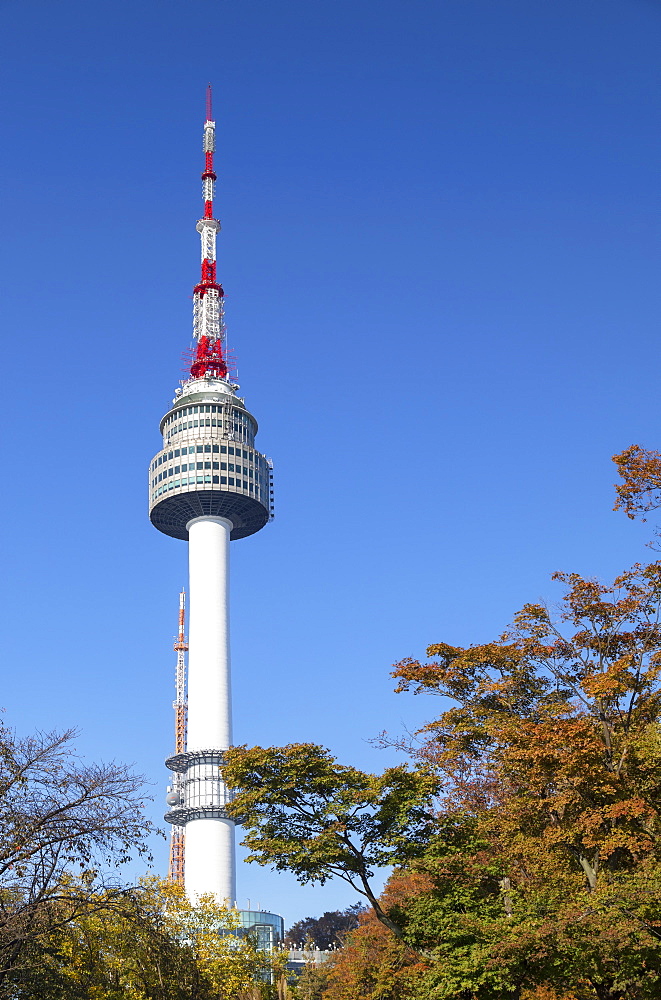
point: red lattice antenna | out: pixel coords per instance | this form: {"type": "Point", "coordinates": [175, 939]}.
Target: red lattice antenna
{"type": "Point", "coordinates": [208, 320]}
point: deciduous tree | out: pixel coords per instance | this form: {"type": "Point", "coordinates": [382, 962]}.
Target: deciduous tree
{"type": "Point", "coordinates": [324, 932]}
{"type": "Point", "coordinates": [64, 827]}
{"type": "Point", "coordinates": [640, 489]}
{"type": "Point", "coordinates": [550, 762]}
{"type": "Point", "coordinates": [155, 946]}
{"type": "Point", "coordinates": [305, 813]}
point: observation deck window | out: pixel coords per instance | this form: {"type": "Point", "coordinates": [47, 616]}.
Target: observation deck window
{"type": "Point", "coordinates": [176, 470]}
{"type": "Point", "coordinates": [223, 479]}
{"type": "Point", "coordinates": [231, 481]}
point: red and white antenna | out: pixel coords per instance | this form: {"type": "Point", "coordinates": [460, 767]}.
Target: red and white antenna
{"type": "Point", "coordinates": [208, 322]}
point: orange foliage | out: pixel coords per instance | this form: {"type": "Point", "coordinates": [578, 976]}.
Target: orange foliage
{"type": "Point", "coordinates": [373, 964]}
{"type": "Point", "coordinates": [640, 490]}
{"type": "Point", "coordinates": [546, 993]}
{"type": "Point", "coordinates": [548, 733]}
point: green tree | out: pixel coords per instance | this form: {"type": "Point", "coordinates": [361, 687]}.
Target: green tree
{"type": "Point", "coordinates": [305, 813]}
{"type": "Point", "coordinates": [324, 932]}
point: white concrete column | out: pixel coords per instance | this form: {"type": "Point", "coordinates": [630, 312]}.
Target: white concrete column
{"type": "Point", "coordinates": [209, 860]}
{"type": "Point", "coordinates": [209, 684]}
{"type": "Point", "coordinates": [209, 853]}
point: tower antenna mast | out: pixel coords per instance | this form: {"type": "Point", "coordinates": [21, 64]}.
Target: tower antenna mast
{"type": "Point", "coordinates": [208, 312]}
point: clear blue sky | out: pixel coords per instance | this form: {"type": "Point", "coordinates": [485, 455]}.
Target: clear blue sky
{"type": "Point", "coordinates": [441, 251]}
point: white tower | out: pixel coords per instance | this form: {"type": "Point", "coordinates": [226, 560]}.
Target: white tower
{"type": "Point", "coordinates": [208, 485]}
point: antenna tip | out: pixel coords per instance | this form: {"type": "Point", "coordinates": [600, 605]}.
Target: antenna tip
{"type": "Point", "coordinates": [209, 110]}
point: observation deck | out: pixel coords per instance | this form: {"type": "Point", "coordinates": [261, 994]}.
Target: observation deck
{"type": "Point", "coordinates": [209, 466]}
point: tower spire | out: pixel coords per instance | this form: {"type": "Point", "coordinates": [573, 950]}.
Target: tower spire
{"type": "Point", "coordinates": [209, 98]}
{"type": "Point", "coordinates": [208, 313]}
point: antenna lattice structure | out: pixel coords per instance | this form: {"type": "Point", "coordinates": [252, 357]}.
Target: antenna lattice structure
{"type": "Point", "coordinates": [208, 311]}
{"type": "Point", "coordinates": [176, 867]}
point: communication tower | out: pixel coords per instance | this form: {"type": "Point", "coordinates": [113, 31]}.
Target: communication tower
{"type": "Point", "coordinates": [208, 485]}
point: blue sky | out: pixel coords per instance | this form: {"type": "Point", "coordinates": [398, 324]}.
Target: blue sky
{"type": "Point", "coordinates": [440, 249]}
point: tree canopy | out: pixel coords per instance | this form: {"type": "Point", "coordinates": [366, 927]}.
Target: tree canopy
{"type": "Point", "coordinates": [70, 928]}
{"type": "Point", "coordinates": [65, 828]}
{"type": "Point", "coordinates": [325, 932]}
{"type": "Point", "coordinates": [155, 946]}
{"type": "Point", "coordinates": [305, 813]}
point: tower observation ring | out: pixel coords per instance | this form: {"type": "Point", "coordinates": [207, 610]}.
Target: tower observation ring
{"type": "Point", "coordinates": [208, 466]}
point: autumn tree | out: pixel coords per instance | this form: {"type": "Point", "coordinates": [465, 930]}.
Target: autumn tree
{"type": "Point", "coordinates": [550, 762]}
{"type": "Point", "coordinates": [154, 946]}
{"type": "Point", "coordinates": [640, 489]}
{"type": "Point", "coordinates": [373, 962]}
{"type": "Point", "coordinates": [65, 826]}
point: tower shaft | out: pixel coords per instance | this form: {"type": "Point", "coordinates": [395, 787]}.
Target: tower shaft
{"type": "Point", "coordinates": [209, 693]}
{"type": "Point", "coordinates": [210, 863]}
